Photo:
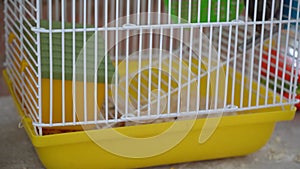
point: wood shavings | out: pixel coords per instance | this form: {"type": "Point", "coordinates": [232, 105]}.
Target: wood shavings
{"type": "Point", "coordinates": [276, 155]}
{"type": "Point", "coordinates": [297, 158]}
{"type": "Point", "coordinates": [278, 139]}
{"type": "Point", "coordinates": [272, 150]}
{"type": "Point", "coordinates": [242, 165]}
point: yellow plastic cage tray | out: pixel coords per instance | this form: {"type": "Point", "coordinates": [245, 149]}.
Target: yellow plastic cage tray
{"type": "Point", "coordinates": [160, 143]}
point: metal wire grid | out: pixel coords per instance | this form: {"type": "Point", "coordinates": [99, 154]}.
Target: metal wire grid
{"type": "Point", "coordinates": [24, 59]}
{"type": "Point", "coordinates": [24, 86]}
{"type": "Point", "coordinates": [252, 62]}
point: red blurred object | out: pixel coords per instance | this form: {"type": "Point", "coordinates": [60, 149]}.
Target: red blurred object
{"type": "Point", "coordinates": [298, 104]}
{"type": "Point", "coordinates": [286, 95]}
{"type": "Point", "coordinates": [288, 69]}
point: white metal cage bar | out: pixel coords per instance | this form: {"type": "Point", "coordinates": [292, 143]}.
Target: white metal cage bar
{"type": "Point", "coordinates": [148, 61]}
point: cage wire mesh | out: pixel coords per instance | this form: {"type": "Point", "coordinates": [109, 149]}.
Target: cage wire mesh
{"type": "Point", "coordinates": [87, 64]}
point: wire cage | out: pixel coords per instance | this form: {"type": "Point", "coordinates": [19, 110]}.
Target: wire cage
{"type": "Point", "coordinates": [82, 70]}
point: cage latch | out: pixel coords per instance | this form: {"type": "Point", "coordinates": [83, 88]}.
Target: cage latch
{"type": "Point", "coordinates": [231, 107]}
{"type": "Point", "coordinates": [129, 25]}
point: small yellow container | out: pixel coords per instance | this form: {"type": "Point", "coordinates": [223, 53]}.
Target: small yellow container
{"type": "Point", "coordinates": [235, 135]}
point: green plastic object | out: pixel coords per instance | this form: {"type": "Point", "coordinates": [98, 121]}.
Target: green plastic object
{"type": "Point", "coordinates": [57, 54]}
{"type": "Point", "coordinates": [204, 10]}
